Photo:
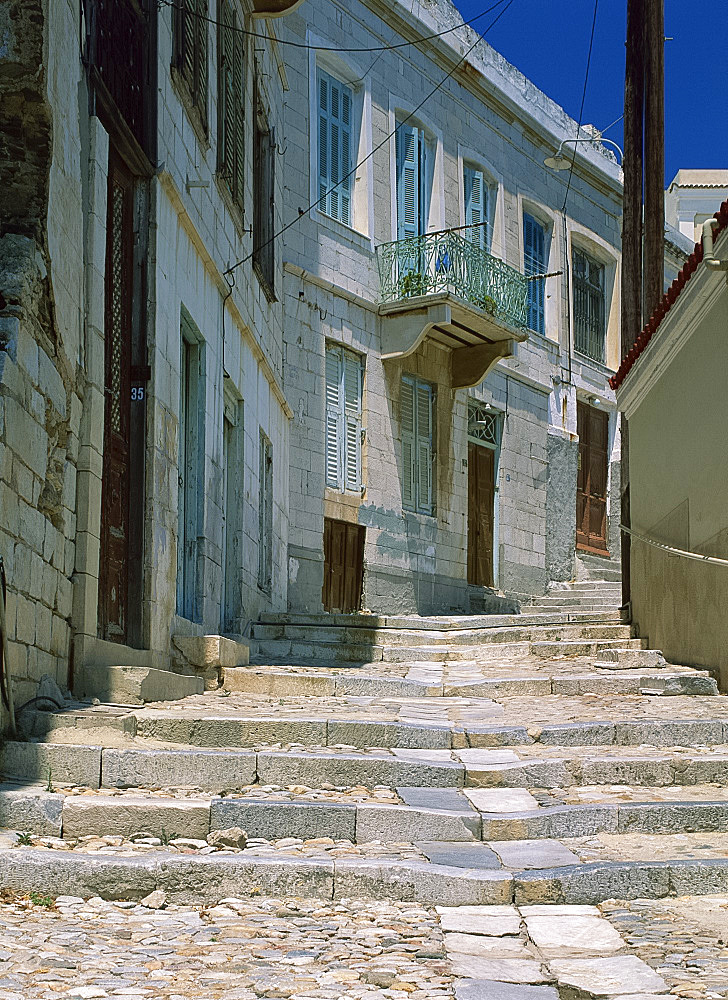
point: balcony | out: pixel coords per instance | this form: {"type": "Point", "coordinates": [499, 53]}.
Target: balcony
{"type": "Point", "coordinates": [274, 8]}
{"type": "Point", "coordinates": [444, 287]}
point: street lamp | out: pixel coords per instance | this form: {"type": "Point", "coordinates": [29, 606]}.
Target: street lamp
{"type": "Point", "coordinates": [561, 162]}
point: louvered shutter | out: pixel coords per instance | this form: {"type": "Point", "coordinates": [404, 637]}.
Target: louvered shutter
{"type": "Point", "coordinates": [200, 89]}
{"type": "Point", "coordinates": [334, 419]}
{"type": "Point", "coordinates": [408, 182]}
{"type": "Point", "coordinates": [407, 422]}
{"type": "Point", "coordinates": [334, 147]}
{"type": "Point", "coordinates": [323, 142]}
{"type": "Point", "coordinates": [226, 94]}
{"type": "Point", "coordinates": [345, 141]}
{"type": "Point", "coordinates": [238, 114]}
{"type": "Point", "coordinates": [352, 417]}
{"type": "Point", "coordinates": [475, 206]}
{"type": "Point", "coordinates": [534, 263]}
{"type": "Point", "coordinates": [424, 447]}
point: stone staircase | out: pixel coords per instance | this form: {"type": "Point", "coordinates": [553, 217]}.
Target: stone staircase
{"type": "Point", "coordinates": [471, 760]}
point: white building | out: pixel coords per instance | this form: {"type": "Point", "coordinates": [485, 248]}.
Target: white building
{"type": "Point", "coordinates": [415, 485]}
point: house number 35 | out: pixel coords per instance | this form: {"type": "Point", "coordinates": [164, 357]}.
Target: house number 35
{"type": "Point", "coordinates": [137, 392]}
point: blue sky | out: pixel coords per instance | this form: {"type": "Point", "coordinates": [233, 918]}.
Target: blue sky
{"type": "Point", "coordinates": [548, 41]}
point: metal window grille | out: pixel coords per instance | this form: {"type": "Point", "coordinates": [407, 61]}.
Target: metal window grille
{"type": "Point", "coordinates": [484, 425]}
{"type": "Point", "coordinates": [589, 312]}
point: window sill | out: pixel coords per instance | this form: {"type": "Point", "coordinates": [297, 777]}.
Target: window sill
{"type": "Point", "coordinates": [236, 212]}
{"type": "Point", "coordinates": [353, 236]}
{"type": "Point", "coordinates": [597, 366]}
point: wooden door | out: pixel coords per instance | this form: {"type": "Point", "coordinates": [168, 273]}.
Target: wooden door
{"type": "Point", "coordinates": [481, 511]}
{"type": "Point", "coordinates": [114, 568]}
{"type": "Point", "coordinates": [343, 565]}
{"type": "Point", "coordinates": [591, 487]}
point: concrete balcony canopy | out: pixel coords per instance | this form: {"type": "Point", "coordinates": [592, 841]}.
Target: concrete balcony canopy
{"type": "Point", "coordinates": [274, 8]}
{"type": "Point", "coordinates": [446, 287]}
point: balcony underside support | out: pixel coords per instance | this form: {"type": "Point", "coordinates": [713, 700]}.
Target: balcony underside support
{"type": "Point", "coordinates": [403, 332]}
{"type": "Point", "coordinates": [274, 8]}
{"type": "Point", "coordinates": [470, 365]}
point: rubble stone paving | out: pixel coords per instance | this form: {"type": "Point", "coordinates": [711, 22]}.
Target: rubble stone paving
{"type": "Point", "coordinates": [239, 950]}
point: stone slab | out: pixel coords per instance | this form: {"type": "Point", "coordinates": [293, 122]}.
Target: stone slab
{"type": "Point", "coordinates": [124, 815]}
{"type": "Point", "coordinates": [132, 685]}
{"type": "Point", "coordinates": [434, 798]}
{"type": "Point", "coordinates": [494, 921]}
{"type": "Point", "coordinates": [501, 800]}
{"type": "Point", "coordinates": [523, 854]}
{"type": "Point", "coordinates": [505, 970]}
{"type": "Point", "coordinates": [209, 770]}
{"type": "Point", "coordinates": [359, 733]}
{"type": "Point", "coordinates": [552, 822]}
{"type": "Point", "coordinates": [30, 810]}
{"type": "Point", "coordinates": [67, 763]}
{"type": "Point", "coordinates": [489, 989]}
{"type": "Point", "coordinates": [618, 975]}
{"type": "Point", "coordinates": [227, 731]}
{"type": "Point", "coordinates": [473, 758]}
{"type": "Point", "coordinates": [293, 768]}
{"type": "Point", "coordinates": [460, 855]}
{"type": "Point", "coordinates": [571, 933]}
{"type": "Point", "coordinates": [429, 884]}
{"type": "Point", "coordinates": [273, 820]}
{"type": "Point", "coordinates": [406, 823]}
{"type": "Point", "coordinates": [486, 947]}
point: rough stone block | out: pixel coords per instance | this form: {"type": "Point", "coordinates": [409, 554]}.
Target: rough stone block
{"type": "Point", "coordinates": [614, 976]}
{"type": "Point", "coordinates": [30, 810]}
{"type": "Point", "coordinates": [208, 879]}
{"type": "Point", "coordinates": [124, 815]}
{"type": "Point", "coordinates": [593, 883]}
{"type": "Point", "coordinates": [131, 685]}
{"type": "Point", "coordinates": [501, 800]}
{"type": "Point", "coordinates": [204, 651]}
{"type": "Point", "coordinates": [669, 732]}
{"type": "Point", "coordinates": [574, 734]}
{"type": "Point", "coordinates": [552, 821]}
{"type": "Point", "coordinates": [490, 989]}
{"type": "Point", "coordinates": [224, 731]}
{"type": "Point", "coordinates": [209, 770]}
{"type": "Point", "coordinates": [274, 819]}
{"type": "Point", "coordinates": [426, 883]}
{"type": "Point", "coordinates": [350, 769]}
{"type": "Point", "coordinates": [482, 946]}
{"type": "Point", "coordinates": [521, 854]}
{"type": "Point", "coordinates": [404, 823]}
{"type": "Point", "coordinates": [358, 733]}
{"type": "Point", "coordinates": [278, 684]}
{"type": "Point", "coordinates": [673, 817]}
{"type": "Point", "coordinates": [66, 763]}
{"type": "Point", "coordinates": [572, 932]}
{"type": "Point", "coordinates": [507, 970]}
{"type": "Point", "coordinates": [493, 921]}
{"type": "Point", "coordinates": [496, 736]}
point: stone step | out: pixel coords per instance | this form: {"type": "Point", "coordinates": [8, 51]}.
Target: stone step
{"type": "Point", "coordinates": [631, 659]}
{"type": "Point", "coordinates": [585, 602]}
{"type": "Point", "coordinates": [326, 684]}
{"type": "Point", "coordinates": [415, 639]}
{"type": "Point", "coordinates": [575, 586]}
{"type": "Point", "coordinates": [205, 880]}
{"type": "Point", "coordinates": [421, 624]}
{"type": "Point", "coordinates": [122, 685]}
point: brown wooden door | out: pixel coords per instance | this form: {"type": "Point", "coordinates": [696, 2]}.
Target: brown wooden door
{"type": "Point", "coordinates": [591, 486]}
{"type": "Point", "coordinates": [114, 569]}
{"type": "Point", "coordinates": [343, 565]}
{"type": "Point", "coordinates": [481, 511]}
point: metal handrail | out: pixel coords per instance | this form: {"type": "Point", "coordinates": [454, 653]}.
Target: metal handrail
{"type": "Point", "coordinates": [698, 556]}
{"type": "Point", "coordinates": [449, 262]}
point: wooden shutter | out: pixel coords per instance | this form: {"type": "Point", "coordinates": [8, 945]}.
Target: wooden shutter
{"type": "Point", "coordinates": [238, 117]}
{"type": "Point", "coordinates": [334, 147]}
{"type": "Point", "coordinates": [475, 206]}
{"type": "Point", "coordinates": [424, 428]}
{"type": "Point", "coordinates": [408, 182]}
{"type": "Point", "coordinates": [200, 85]}
{"type": "Point", "coordinates": [334, 419]}
{"type": "Point", "coordinates": [352, 378]}
{"type": "Point", "coordinates": [534, 244]}
{"type": "Point", "coordinates": [407, 423]}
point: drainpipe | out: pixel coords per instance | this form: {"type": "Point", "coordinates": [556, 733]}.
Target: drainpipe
{"type": "Point", "coordinates": [709, 258]}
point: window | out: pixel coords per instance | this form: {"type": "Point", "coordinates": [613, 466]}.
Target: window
{"type": "Point", "coordinates": [589, 328]}
{"type": "Point", "coordinates": [411, 150]}
{"type": "Point", "coordinates": [191, 468]}
{"type": "Point", "coordinates": [231, 89]}
{"type": "Point", "coordinates": [417, 415]}
{"type": "Point", "coordinates": [344, 378]}
{"type": "Point", "coordinates": [190, 51]}
{"type": "Point", "coordinates": [477, 208]}
{"type": "Point", "coordinates": [264, 148]}
{"type": "Point", "coordinates": [265, 514]}
{"type": "Point", "coordinates": [534, 262]}
{"type": "Point", "coordinates": [334, 147]}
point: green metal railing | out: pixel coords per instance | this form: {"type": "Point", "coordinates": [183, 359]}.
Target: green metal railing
{"type": "Point", "coordinates": [449, 262]}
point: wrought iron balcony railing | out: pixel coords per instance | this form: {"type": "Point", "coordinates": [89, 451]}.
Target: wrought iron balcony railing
{"type": "Point", "coordinates": [449, 262]}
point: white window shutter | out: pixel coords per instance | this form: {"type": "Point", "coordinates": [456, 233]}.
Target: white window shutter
{"type": "Point", "coordinates": [408, 182]}
{"type": "Point", "coordinates": [334, 419]}
{"type": "Point", "coordinates": [323, 141]}
{"type": "Point", "coordinates": [407, 424]}
{"type": "Point", "coordinates": [352, 416]}
{"type": "Point", "coordinates": [475, 206]}
{"type": "Point", "coordinates": [423, 420]}
{"type": "Point", "coordinates": [345, 141]}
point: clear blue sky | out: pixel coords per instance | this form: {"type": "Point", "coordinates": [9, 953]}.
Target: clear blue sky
{"type": "Point", "coordinates": [548, 41]}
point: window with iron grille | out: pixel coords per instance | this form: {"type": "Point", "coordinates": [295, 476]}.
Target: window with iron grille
{"type": "Point", "coordinates": [264, 147]}
{"type": "Point", "coordinates": [190, 51]}
{"type": "Point", "coordinates": [230, 97]}
{"type": "Point", "coordinates": [589, 309]}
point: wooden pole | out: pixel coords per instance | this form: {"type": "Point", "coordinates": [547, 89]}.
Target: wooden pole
{"type": "Point", "coordinates": [631, 300]}
{"type": "Point", "coordinates": [654, 256]}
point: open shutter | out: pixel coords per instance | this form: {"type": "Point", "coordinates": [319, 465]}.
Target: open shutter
{"type": "Point", "coordinates": [407, 421]}
{"type": "Point", "coordinates": [345, 140]}
{"type": "Point", "coordinates": [352, 417]}
{"type": "Point", "coordinates": [334, 145]}
{"type": "Point", "coordinates": [475, 206]}
{"type": "Point", "coordinates": [408, 182]}
{"type": "Point", "coordinates": [323, 142]}
{"type": "Point", "coordinates": [424, 424]}
{"type": "Point", "coordinates": [334, 419]}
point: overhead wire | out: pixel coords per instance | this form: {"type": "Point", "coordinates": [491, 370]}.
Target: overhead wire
{"type": "Point", "coordinates": [328, 48]}
{"type": "Point", "coordinates": [306, 211]}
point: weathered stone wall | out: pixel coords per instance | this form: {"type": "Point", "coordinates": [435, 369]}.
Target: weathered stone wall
{"type": "Point", "coordinates": [39, 335]}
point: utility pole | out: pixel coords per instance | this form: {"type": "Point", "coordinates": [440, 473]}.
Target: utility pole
{"type": "Point", "coordinates": [631, 304]}
{"type": "Point", "coordinates": [654, 255]}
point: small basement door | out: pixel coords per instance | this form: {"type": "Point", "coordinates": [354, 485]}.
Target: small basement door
{"type": "Point", "coordinates": [481, 510]}
{"type": "Point", "coordinates": [343, 565]}
{"type": "Point", "coordinates": [591, 485]}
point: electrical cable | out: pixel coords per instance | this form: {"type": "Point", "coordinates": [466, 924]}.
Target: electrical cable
{"type": "Point", "coordinates": [328, 48]}
{"type": "Point", "coordinates": [306, 211]}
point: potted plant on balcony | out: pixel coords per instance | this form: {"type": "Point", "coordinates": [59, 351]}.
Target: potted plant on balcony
{"type": "Point", "coordinates": [488, 304]}
{"type": "Point", "coordinates": [412, 283]}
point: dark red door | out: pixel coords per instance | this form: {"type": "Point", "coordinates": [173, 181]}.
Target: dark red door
{"type": "Point", "coordinates": [481, 509]}
{"type": "Point", "coordinates": [114, 569]}
{"type": "Point", "coordinates": [343, 565]}
{"type": "Point", "coordinates": [591, 486]}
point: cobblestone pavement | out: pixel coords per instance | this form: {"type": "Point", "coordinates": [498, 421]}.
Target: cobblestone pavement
{"type": "Point", "coordinates": [239, 950]}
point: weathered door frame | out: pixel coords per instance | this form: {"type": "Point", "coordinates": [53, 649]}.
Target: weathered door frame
{"type": "Point", "coordinates": [354, 540]}
{"type": "Point", "coordinates": [232, 514]}
{"type": "Point", "coordinates": [585, 446]}
{"type": "Point", "coordinates": [485, 428]}
{"type": "Point", "coordinates": [190, 468]}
